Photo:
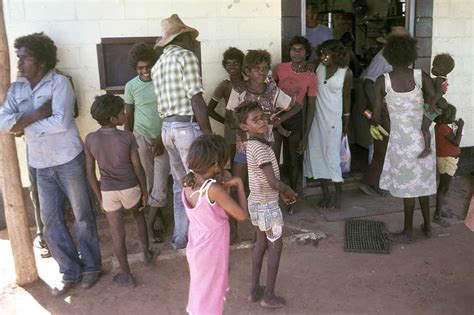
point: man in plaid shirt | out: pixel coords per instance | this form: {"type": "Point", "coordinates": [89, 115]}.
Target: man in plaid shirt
{"type": "Point", "coordinates": [179, 90]}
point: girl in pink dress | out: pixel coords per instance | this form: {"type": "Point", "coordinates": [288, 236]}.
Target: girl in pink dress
{"type": "Point", "coordinates": [207, 202]}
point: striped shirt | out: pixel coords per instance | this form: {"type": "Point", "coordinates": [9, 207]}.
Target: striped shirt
{"type": "Point", "coordinates": [176, 80]}
{"type": "Point", "coordinates": [260, 154]}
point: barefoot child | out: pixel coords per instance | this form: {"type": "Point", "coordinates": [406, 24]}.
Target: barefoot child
{"type": "Point", "coordinates": [266, 93]}
{"type": "Point", "coordinates": [122, 180]}
{"type": "Point", "coordinates": [442, 65]}
{"type": "Point", "coordinates": [207, 205]}
{"type": "Point", "coordinates": [447, 157]}
{"type": "Point", "coordinates": [143, 120]}
{"type": "Point", "coordinates": [265, 213]}
{"type": "Point", "coordinates": [232, 63]}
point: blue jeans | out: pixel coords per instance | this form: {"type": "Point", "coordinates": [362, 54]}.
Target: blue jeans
{"type": "Point", "coordinates": [54, 185]}
{"type": "Point", "coordinates": [177, 138]}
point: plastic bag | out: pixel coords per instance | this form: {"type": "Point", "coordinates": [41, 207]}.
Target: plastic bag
{"type": "Point", "coordinates": [345, 155]}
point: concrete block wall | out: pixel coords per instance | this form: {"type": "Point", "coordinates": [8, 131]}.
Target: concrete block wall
{"type": "Point", "coordinates": [77, 26]}
{"type": "Point", "coordinates": [453, 33]}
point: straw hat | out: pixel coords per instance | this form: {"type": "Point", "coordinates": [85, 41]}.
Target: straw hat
{"type": "Point", "coordinates": [396, 30]}
{"type": "Point", "coordinates": [171, 28]}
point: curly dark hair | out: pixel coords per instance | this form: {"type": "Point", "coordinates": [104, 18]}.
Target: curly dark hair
{"type": "Point", "coordinates": [141, 52]}
{"type": "Point", "coordinates": [243, 110]}
{"type": "Point", "coordinates": [205, 151]}
{"type": "Point", "coordinates": [447, 115]}
{"type": "Point", "coordinates": [444, 63]}
{"type": "Point", "coordinates": [302, 41]}
{"type": "Point", "coordinates": [255, 57]}
{"type": "Point", "coordinates": [339, 53]}
{"type": "Point", "coordinates": [233, 53]}
{"type": "Point", "coordinates": [40, 46]}
{"type": "Point", "coordinates": [106, 106]}
{"type": "Point", "coordinates": [401, 50]}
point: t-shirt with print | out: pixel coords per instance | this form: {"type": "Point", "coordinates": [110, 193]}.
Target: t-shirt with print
{"type": "Point", "coordinates": [296, 85]}
{"type": "Point", "coordinates": [271, 101]}
{"type": "Point", "coordinates": [112, 148]}
{"type": "Point", "coordinates": [141, 95]}
{"type": "Point", "coordinates": [259, 154]}
{"type": "Point", "coordinates": [444, 147]}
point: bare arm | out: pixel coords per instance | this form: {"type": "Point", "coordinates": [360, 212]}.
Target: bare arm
{"type": "Point", "coordinates": [211, 110]}
{"type": "Point", "coordinates": [346, 101]}
{"type": "Point", "coordinates": [221, 196]}
{"type": "Point", "coordinates": [368, 87]}
{"type": "Point", "coordinates": [200, 112]}
{"type": "Point", "coordinates": [129, 117]}
{"type": "Point", "coordinates": [140, 173]}
{"type": "Point", "coordinates": [379, 94]}
{"type": "Point", "coordinates": [295, 108]}
{"type": "Point", "coordinates": [91, 176]}
{"type": "Point", "coordinates": [310, 110]}
{"type": "Point", "coordinates": [428, 88]}
{"type": "Point", "coordinates": [455, 139]}
{"type": "Point", "coordinates": [286, 192]}
{"type": "Point", "coordinates": [438, 98]}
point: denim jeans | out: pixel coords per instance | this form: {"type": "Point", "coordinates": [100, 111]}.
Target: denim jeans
{"type": "Point", "coordinates": [177, 138]}
{"type": "Point", "coordinates": [35, 199]}
{"type": "Point", "coordinates": [54, 185]}
{"type": "Point", "coordinates": [157, 170]}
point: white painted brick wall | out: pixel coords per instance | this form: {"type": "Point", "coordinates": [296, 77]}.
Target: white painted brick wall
{"type": "Point", "coordinates": [453, 33]}
{"type": "Point", "coordinates": [76, 26]}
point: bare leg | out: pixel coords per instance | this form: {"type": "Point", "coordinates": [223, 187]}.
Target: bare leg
{"type": "Point", "coordinates": [425, 130]}
{"type": "Point", "coordinates": [425, 211]}
{"type": "Point", "coordinates": [324, 203]}
{"type": "Point", "coordinates": [117, 230]}
{"type": "Point", "coordinates": [270, 300]}
{"type": "Point", "coordinates": [139, 217]}
{"type": "Point", "coordinates": [337, 197]}
{"type": "Point", "coordinates": [444, 182]}
{"type": "Point", "coordinates": [256, 291]}
{"type": "Point", "coordinates": [406, 234]}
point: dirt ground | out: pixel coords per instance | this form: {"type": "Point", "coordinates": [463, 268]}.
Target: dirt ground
{"type": "Point", "coordinates": [429, 276]}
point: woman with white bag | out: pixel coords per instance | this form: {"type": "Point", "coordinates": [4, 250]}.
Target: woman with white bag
{"type": "Point", "coordinates": [328, 121]}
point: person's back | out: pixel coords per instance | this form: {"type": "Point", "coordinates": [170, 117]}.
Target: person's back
{"type": "Point", "coordinates": [111, 148]}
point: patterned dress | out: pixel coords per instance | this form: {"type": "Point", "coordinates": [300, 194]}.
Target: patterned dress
{"type": "Point", "coordinates": [404, 174]}
{"type": "Point", "coordinates": [207, 254]}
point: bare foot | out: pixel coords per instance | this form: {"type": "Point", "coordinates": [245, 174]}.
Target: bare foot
{"type": "Point", "coordinates": [324, 203]}
{"type": "Point", "coordinates": [272, 302]}
{"type": "Point", "coordinates": [149, 256]}
{"type": "Point", "coordinates": [124, 280]}
{"type": "Point", "coordinates": [426, 231]}
{"type": "Point", "coordinates": [256, 293]}
{"type": "Point", "coordinates": [425, 153]}
{"type": "Point", "coordinates": [441, 221]}
{"type": "Point", "coordinates": [445, 214]}
{"type": "Point", "coordinates": [402, 237]}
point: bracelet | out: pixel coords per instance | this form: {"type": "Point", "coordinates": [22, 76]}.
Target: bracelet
{"type": "Point", "coordinates": [346, 114]}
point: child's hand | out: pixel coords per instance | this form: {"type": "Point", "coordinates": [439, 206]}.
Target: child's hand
{"type": "Point", "coordinates": [288, 195]}
{"type": "Point", "coordinates": [460, 123]}
{"type": "Point", "coordinates": [157, 146]}
{"type": "Point", "coordinates": [431, 109]}
{"type": "Point", "coordinates": [232, 182]}
{"type": "Point", "coordinates": [144, 201]}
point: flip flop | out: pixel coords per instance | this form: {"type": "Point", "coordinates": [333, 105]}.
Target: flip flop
{"type": "Point", "coordinates": [259, 294]}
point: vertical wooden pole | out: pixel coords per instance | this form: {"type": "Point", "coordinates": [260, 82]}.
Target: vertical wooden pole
{"type": "Point", "coordinates": [12, 190]}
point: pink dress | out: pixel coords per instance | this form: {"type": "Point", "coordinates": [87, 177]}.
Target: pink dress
{"type": "Point", "coordinates": [207, 254]}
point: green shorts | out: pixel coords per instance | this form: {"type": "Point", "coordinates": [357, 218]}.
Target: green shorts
{"type": "Point", "coordinates": [433, 115]}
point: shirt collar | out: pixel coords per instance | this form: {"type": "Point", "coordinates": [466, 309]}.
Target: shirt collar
{"type": "Point", "coordinates": [46, 78]}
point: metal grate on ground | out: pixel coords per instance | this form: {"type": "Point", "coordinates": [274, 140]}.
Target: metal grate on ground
{"type": "Point", "coordinates": [366, 236]}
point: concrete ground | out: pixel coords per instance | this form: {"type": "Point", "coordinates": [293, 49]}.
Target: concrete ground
{"type": "Point", "coordinates": [429, 276]}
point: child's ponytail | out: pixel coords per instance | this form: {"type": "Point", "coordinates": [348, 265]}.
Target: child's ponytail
{"type": "Point", "coordinates": [189, 180]}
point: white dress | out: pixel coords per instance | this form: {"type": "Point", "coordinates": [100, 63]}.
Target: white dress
{"type": "Point", "coordinates": [404, 175]}
{"type": "Point", "coordinates": [322, 157]}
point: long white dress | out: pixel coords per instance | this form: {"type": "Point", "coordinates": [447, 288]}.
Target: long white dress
{"type": "Point", "coordinates": [322, 157]}
{"type": "Point", "coordinates": [404, 175]}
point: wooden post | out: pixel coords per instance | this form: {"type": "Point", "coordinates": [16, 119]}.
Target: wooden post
{"type": "Point", "coordinates": [12, 190]}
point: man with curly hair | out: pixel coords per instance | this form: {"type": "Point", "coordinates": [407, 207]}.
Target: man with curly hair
{"type": "Point", "coordinates": [40, 104]}
{"type": "Point", "coordinates": [145, 122]}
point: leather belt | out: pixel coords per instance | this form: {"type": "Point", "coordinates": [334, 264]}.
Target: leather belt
{"type": "Point", "coordinates": [180, 118]}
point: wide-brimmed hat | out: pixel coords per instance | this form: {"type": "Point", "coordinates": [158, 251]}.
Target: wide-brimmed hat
{"type": "Point", "coordinates": [396, 30]}
{"type": "Point", "coordinates": [172, 27]}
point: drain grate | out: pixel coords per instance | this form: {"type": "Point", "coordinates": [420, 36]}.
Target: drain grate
{"type": "Point", "coordinates": [365, 236]}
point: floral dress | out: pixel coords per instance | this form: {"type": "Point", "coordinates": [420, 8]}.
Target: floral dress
{"type": "Point", "coordinates": [404, 174]}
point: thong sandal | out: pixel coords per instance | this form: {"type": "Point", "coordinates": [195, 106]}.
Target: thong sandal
{"type": "Point", "coordinates": [258, 295]}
